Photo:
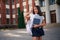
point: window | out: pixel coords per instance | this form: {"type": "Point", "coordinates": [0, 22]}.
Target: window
{"type": "Point", "coordinates": [0, 10]}
{"type": "Point", "coordinates": [16, 1]}
{"type": "Point", "coordinates": [42, 3]}
{"type": "Point", "coordinates": [13, 11]}
{"type": "Point", "coordinates": [24, 0]}
{"type": "Point", "coordinates": [51, 2]}
{"type": "Point", "coordinates": [25, 7]}
{"type": "Point", "coordinates": [14, 21]}
{"type": "Point", "coordinates": [7, 11]}
{"type": "Point", "coordinates": [0, 4]}
{"type": "Point", "coordinates": [7, 21]}
{"type": "Point", "coordinates": [35, 0]}
{"type": "Point", "coordinates": [12, 2]}
{"type": "Point", "coordinates": [0, 20]}
{"type": "Point", "coordinates": [7, 2]}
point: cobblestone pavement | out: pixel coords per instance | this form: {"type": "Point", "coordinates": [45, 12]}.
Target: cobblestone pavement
{"type": "Point", "coordinates": [21, 34]}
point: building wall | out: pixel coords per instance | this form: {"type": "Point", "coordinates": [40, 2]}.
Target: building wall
{"type": "Point", "coordinates": [51, 11]}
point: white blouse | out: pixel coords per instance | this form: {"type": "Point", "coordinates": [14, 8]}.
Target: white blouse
{"type": "Point", "coordinates": [30, 22]}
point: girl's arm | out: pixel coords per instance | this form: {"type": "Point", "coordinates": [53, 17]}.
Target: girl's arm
{"type": "Point", "coordinates": [27, 17]}
{"type": "Point", "coordinates": [43, 23]}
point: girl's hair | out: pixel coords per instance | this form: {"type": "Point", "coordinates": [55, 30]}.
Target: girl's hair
{"type": "Point", "coordinates": [39, 11]}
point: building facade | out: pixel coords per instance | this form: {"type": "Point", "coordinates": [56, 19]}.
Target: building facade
{"type": "Point", "coordinates": [9, 10]}
{"type": "Point", "coordinates": [49, 9]}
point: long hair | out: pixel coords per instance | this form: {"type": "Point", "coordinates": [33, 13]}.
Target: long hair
{"type": "Point", "coordinates": [39, 11]}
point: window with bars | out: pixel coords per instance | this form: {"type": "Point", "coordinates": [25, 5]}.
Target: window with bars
{"type": "Point", "coordinates": [8, 21]}
{"type": "Point", "coordinates": [14, 21]}
{"type": "Point", "coordinates": [13, 11]}
{"type": "Point", "coordinates": [24, 0]}
{"type": "Point", "coordinates": [7, 11]}
{"type": "Point", "coordinates": [12, 2]}
{"type": "Point", "coordinates": [7, 2]}
{"type": "Point", "coordinates": [42, 3]}
{"type": "Point", "coordinates": [0, 20]}
{"type": "Point", "coordinates": [51, 2]}
{"type": "Point", "coordinates": [16, 1]}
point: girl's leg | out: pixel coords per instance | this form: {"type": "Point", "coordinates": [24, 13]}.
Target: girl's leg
{"type": "Point", "coordinates": [39, 38]}
{"type": "Point", "coordinates": [34, 38]}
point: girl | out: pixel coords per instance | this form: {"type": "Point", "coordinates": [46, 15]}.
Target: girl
{"type": "Point", "coordinates": [37, 30]}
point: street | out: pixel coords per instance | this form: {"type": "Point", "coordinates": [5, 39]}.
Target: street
{"type": "Point", "coordinates": [21, 34]}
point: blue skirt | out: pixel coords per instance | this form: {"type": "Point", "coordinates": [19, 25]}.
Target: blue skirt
{"type": "Point", "coordinates": [37, 32]}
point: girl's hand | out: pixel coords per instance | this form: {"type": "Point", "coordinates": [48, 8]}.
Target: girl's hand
{"type": "Point", "coordinates": [35, 26]}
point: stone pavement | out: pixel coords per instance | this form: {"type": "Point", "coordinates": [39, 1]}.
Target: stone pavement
{"type": "Point", "coordinates": [21, 34]}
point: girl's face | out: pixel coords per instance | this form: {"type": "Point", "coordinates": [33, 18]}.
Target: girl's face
{"type": "Point", "coordinates": [35, 10]}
